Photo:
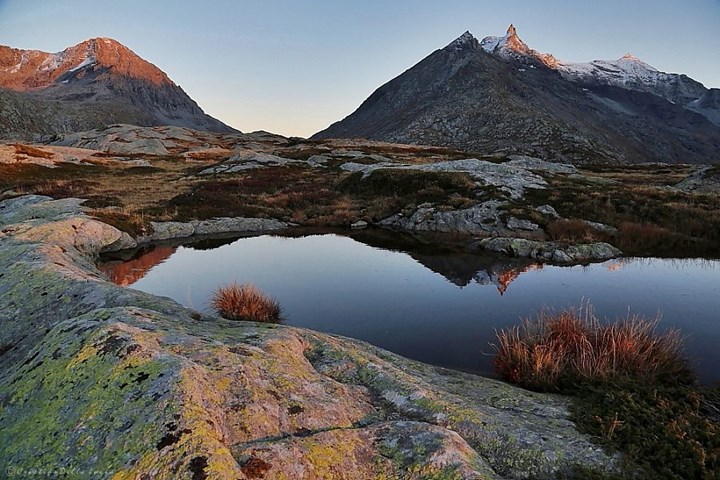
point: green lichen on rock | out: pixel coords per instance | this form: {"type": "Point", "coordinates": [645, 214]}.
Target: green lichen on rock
{"type": "Point", "coordinates": [102, 379]}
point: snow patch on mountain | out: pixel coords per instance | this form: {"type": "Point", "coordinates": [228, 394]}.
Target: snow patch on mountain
{"type": "Point", "coordinates": [89, 60]}
{"type": "Point", "coordinates": [621, 72]}
{"type": "Point", "coordinates": [23, 61]}
{"type": "Point", "coordinates": [490, 44]}
{"type": "Point", "coordinates": [52, 62]}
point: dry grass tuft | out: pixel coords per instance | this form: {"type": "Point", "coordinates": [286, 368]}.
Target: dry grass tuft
{"type": "Point", "coordinates": [31, 151]}
{"type": "Point", "coordinates": [573, 345]}
{"type": "Point", "coordinates": [245, 302]}
{"type": "Point", "coordinates": [574, 231]}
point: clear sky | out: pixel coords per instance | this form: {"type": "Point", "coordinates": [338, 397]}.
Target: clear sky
{"type": "Point", "coordinates": [293, 67]}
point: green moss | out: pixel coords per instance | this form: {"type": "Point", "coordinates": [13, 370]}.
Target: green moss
{"type": "Point", "coordinates": [665, 431]}
{"type": "Point", "coordinates": [420, 186]}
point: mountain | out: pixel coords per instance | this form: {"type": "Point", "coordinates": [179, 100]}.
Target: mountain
{"type": "Point", "coordinates": [628, 72]}
{"type": "Point", "coordinates": [94, 84]}
{"type": "Point", "coordinates": [501, 96]}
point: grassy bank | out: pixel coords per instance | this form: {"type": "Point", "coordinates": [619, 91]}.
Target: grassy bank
{"type": "Point", "coordinates": [631, 388]}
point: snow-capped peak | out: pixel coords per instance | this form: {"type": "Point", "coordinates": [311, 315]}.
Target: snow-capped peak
{"type": "Point", "coordinates": [629, 59]}
{"type": "Point", "coordinates": [509, 42]}
{"type": "Point", "coordinates": [626, 72]}
{"type": "Point", "coordinates": [511, 46]}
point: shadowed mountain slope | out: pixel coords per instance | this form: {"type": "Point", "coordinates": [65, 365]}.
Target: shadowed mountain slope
{"type": "Point", "coordinates": [500, 96]}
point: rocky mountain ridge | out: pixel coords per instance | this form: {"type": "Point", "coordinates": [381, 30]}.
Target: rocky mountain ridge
{"type": "Point", "coordinates": [90, 85]}
{"type": "Point", "coordinates": [627, 72]}
{"type": "Point", "coordinates": [26, 70]}
{"type": "Point", "coordinates": [500, 96]}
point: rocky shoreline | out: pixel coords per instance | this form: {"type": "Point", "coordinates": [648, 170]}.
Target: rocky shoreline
{"type": "Point", "coordinates": [129, 385]}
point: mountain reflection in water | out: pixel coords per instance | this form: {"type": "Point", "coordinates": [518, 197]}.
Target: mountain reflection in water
{"type": "Point", "coordinates": [433, 303]}
{"type": "Point", "coordinates": [128, 271]}
{"type": "Point", "coordinates": [461, 269]}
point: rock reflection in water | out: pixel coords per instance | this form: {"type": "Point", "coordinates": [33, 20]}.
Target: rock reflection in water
{"type": "Point", "coordinates": [126, 271]}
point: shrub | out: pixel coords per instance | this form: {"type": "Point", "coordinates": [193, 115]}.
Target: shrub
{"type": "Point", "coordinates": [553, 350]}
{"type": "Point", "coordinates": [574, 231]}
{"type": "Point", "coordinates": [245, 302]}
{"type": "Point", "coordinates": [643, 237]}
{"type": "Point", "coordinates": [632, 390]}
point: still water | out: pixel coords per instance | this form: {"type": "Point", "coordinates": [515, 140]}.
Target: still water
{"type": "Point", "coordinates": [439, 307]}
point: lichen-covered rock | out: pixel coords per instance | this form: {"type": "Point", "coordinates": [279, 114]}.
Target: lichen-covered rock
{"type": "Point", "coordinates": [551, 251]}
{"type": "Point", "coordinates": [214, 226]}
{"type": "Point", "coordinates": [103, 379]}
{"type": "Point", "coordinates": [521, 224]}
{"type": "Point", "coordinates": [167, 231]}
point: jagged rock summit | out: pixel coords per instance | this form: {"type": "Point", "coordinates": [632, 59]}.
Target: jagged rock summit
{"type": "Point", "coordinates": [91, 85]}
{"type": "Point", "coordinates": [628, 72]}
{"type": "Point", "coordinates": [500, 96]}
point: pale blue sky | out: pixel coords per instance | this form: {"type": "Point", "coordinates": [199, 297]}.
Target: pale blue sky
{"type": "Point", "coordinates": [293, 67]}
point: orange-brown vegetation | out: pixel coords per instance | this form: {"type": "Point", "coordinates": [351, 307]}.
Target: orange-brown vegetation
{"type": "Point", "coordinates": [652, 217]}
{"type": "Point", "coordinates": [31, 151]}
{"type": "Point", "coordinates": [574, 231]}
{"type": "Point", "coordinates": [245, 302]}
{"type": "Point", "coordinates": [573, 345]}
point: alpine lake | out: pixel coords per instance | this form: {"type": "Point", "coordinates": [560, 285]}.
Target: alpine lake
{"type": "Point", "coordinates": [428, 301]}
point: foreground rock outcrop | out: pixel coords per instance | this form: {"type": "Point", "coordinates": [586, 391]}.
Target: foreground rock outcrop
{"type": "Point", "coordinates": [125, 385]}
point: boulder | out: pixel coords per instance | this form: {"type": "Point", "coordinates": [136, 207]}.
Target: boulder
{"type": "Point", "coordinates": [478, 219]}
{"type": "Point", "coordinates": [250, 160]}
{"type": "Point", "coordinates": [512, 177]}
{"type": "Point", "coordinates": [521, 224]}
{"type": "Point", "coordinates": [359, 225]}
{"type": "Point", "coordinates": [548, 211]}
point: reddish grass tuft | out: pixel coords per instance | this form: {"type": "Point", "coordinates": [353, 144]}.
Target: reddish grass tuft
{"type": "Point", "coordinates": [574, 231]}
{"type": "Point", "coordinates": [552, 349]}
{"type": "Point", "coordinates": [245, 302]}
